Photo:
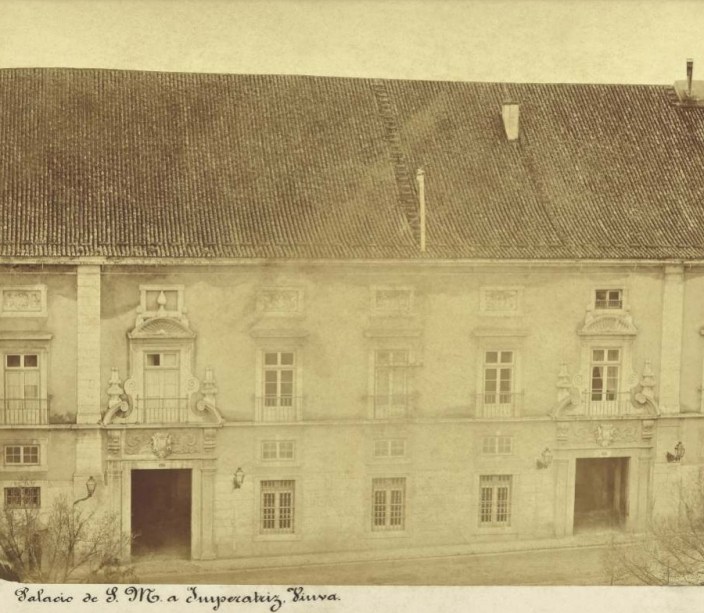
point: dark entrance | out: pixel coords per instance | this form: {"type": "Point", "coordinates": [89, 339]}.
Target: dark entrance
{"type": "Point", "coordinates": [600, 493]}
{"type": "Point", "coordinates": [161, 512]}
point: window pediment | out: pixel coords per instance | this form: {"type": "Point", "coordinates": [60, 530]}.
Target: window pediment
{"type": "Point", "coordinates": [608, 324]}
{"type": "Point", "coordinates": [161, 328]}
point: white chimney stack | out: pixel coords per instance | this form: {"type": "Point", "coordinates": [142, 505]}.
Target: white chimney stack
{"type": "Point", "coordinates": [420, 179]}
{"type": "Point", "coordinates": [509, 113]}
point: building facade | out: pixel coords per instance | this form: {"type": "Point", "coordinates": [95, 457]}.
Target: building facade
{"type": "Point", "coordinates": [235, 304]}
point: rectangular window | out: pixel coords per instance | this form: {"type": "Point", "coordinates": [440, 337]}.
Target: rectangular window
{"type": "Point", "coordinates": [279, 378]}
{"type": "Point", "coordinates": [22, 376]}
{"type": "Point", "coordinates": [22, 454]}
{"type": "Point", "coordinates": [608, 299]}
{"type": "Point", "coordinates": [277, 507]}
{"type": "Point", "coordinates": [23, 402]}
{"type": "Point", "coordinates": [388, 504]}
{"type": "Point", "coordinates": [605, 374]}
{"type": "Point", "coordinates": [162, 390]}
{"type": "Point", "coordinates": [22, 497]}
{"type": "Point", "coordinates": [498, 378]}
{"type": "Point", "coordinates": [391, 379]}
{"type": "Point", "coordinates": [393, 301]}
{"type": "Point", "coordinates": [277, 450]}
{"type": "Point", "coordinates": [501, 445]}
{"type": "Point", "coordinates": [390, 448]}
{"type": "Point", "coordinates": [495, 500]}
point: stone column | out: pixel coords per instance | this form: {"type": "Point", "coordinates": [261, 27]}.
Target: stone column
{"type": "Point", "coordinates": [88, 392]}
{"type": "Point", "coordinates": [671, 351]}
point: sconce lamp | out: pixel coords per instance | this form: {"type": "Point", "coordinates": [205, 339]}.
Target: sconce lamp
{"type": "Point", "coordinates": [678, 455]}
{"type": "Point", "coordinates": [545, 458]}
{"type": "Point", "coordinates": [238, 478]}
{"type": "Point", "coordinates": [91, 484]}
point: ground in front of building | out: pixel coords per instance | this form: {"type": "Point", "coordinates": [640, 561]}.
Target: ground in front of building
{"type": "Point", "coordinates": [564, 566]}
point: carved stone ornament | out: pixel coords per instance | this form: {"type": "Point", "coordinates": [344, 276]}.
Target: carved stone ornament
{"type": "Point", "coordinates": [181, 442]}
{"type": "Point", "coordinates": [279, 300]}
{"type": "Point", "coordinates": [573, 398]}
{"type": "Point", "coordinates": [608, 323]}
{"type": "Point", "coordinates": [604, 434]}
{"type": "Point", "coordinates": [161, 444]}
{"type": "Point", "coordinates": [22, 301]}
{"type": "Point", "coordinates": [500, 300]}
{"type": "Point", "coordinates": [118, 399]}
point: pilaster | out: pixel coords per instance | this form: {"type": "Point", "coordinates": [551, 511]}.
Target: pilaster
{"type": "Point", "coordinates": [88, 344]}
{"type": "Point", "coordinates": [671, 347]}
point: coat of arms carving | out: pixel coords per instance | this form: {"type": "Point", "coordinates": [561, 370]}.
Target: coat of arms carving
{"type": "Point", "coordinates": [605, 434]}
{"type": "Point", "coordinates": [161, 444]}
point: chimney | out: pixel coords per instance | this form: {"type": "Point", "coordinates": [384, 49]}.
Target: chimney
{"type": "Point", "coordinates": [690, 73]}
{"type": "Point", "coordinates": [420, 178]}
{"type": "Point", "coordinates": [509, 113]}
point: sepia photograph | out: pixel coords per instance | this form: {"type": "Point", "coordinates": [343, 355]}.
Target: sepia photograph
{"type": "Point", "coordinates": [351, 293]}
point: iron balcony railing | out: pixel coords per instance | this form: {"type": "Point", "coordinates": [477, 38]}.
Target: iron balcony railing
{"type": "Point", "coordinates": [499, 404]}
{"type": "Point", "coordinates": [24, 411]}
{"type": "Point", "coordinates": [162, 410]}
{"type": "Point", "coordinates": [391, 406]}
{"type": "Point", "coordinates": [598, 404]}
{"type": "Point", "coordinates": [281, 408]}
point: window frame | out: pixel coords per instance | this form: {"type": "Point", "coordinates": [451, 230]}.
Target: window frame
{"type": "Point", "coordinates": [7, 492]}
{"type": "Point", "coordinates": [387, 443]}
{"type": "Point", "coordinates": [293, 412]}
{"type": "Point", "coordinates": [495, 449]}
{"type": "Point", "coordinates": [22, 454]}
{"type": "Point", "coordinates": [277, 443]}
{"type": "Point", "coordinates": [386, 485]}
{"type": "Point", "coordinates": [605, 306]}
{"type": "Point", "coordinates": [38, 346]}
{"type": "Point", "coordinates": [605, 365]}
{"type": "Point", "coordinates": [280, 488]}
{"type": "Point", "coordinates": [403, 367]}
{"type": "Point", "coordinates": [496, 483]}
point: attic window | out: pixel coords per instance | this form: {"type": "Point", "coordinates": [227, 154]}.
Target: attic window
{"type": "Point", "coordinates": [608, 299]}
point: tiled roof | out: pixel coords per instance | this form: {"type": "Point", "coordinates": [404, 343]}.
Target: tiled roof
{"type": "Point", "coordinates": [119, 164]}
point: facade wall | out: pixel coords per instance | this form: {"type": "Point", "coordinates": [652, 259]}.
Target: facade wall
{"type": "Point", "coordinates": [451, 324]}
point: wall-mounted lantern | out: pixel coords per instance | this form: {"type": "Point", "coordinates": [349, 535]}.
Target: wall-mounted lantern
{"type": "Point", "coordinates": [545, 458]}
{"type": "Point", "coordinates": [238, 478]}
{"type": "Point", "coordinates": [678, 455]}
{"type": "Point", "coordinates": [91, 485]}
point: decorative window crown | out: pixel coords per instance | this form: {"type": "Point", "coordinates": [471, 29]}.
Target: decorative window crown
{"type": "Point", "coordinates": [606, 322]}
{"type": "Point", "coordinates": [162, 302]}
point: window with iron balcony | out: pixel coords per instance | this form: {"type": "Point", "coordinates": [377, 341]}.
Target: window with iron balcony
{"type": "Point", "coordinates": [162, 401]}
{"type": "Point", "coordinates": [24, 401]}
{"type": "Point", "coordinates": [279, 399]}
{"type": "Point", "coordinates": [499, 397]}
{"type": "Point", "coordinates": [392, 374]}
{"type": "Point", "coordinates": [605, 396]}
